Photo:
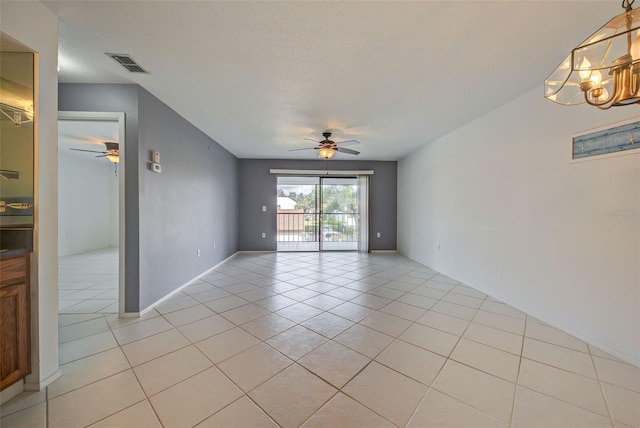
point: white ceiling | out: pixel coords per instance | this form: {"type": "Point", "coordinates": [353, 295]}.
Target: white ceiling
{"type": "Point", "coordinates": [259, 77]}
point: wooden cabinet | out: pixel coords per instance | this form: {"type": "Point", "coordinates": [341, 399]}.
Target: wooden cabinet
{"type": "Point", "coordinates": [15, 341]}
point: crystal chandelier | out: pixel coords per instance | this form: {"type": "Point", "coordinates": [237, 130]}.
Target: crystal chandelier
{"type": "Point", "coordinates": [604, 70]}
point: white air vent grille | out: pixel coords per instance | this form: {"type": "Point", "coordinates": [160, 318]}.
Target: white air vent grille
{"type": "Point", "coordinates": [127, 62]}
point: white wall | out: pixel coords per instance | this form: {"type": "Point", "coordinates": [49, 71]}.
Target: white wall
{"type": "Point", "coordinates": [517, 220]}
{"type": "Point", "coordinates": [85, 203]}
{"type": "Point", "coordinates": [34, 25]}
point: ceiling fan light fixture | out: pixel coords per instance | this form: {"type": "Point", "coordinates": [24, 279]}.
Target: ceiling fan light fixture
{"type": "Point", "coordinates": [326, 152]}
{"type": "Point", "coordinates": [604, 70]}
{"type": "Point", "coordinates": [113, 158]}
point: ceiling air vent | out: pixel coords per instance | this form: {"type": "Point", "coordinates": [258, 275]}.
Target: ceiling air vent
{"type": "Point", "coordinates": [127, 62]}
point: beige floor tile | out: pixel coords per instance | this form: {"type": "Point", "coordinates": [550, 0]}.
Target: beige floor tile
{"type": "Point", "coordinates": [82, 372]}
{"type": "Point", "coordinates": [501, 322]}
{"type": "Point", "coordinates": [195, 399]}
{"type": "Point", "coordinates": [242, 413]}
{"type": "Point", "coordinates": [468, 291]}
{"type": "Point", "coordinates": [563, 385]}
{"type": "Point", "coordinates": [550, 334]}
{"type": "Point", "coordinates": [82, 329]}
{"type": "Point", "coordinates": [430, 292]}
{"type": "Point", "coordinates": [423, 302]}
{"type": "Point", "coordinates": [268, 326]}
{"type": "Point", "coordinates": [558, 356]}
{"type": "Point", "coordinates": [253, 366]}
{"type": "Point", "coordinates": [206, 327]}
{"type": "Point", "coordinates": [371, 301]}
{"type": "Point", "coordinates": [413, 361]}
{"type": "Point", "coordinates": [403, 310]}
{"type": "Point", "coordinates": [624, 404]}
{"type": "Point", "coordinates": [80, 348]}
{"type": "Point", "coordinates": [96, 401]}
{"type": "Point", "coordinates": [275, 303]}
{"type": "Point", "coordinates": [600, 353]}
{"type": "Point", "coordinates": [441, 411]}
{"type": "Point", "coordinates": [386, 292]}
{"type": "Point", "coordinates": [244, 314]}
{"type": "Point", "coordinates": [296, 342]}
{"type": "Point", "coordinates": [175, 303]}
{"type": "Point", "coordinates": [324, 302]}
{"type": "Point", "coordinates": [163, 372]}
{"type": "Point", "coordinates": [292, 396]}
{"type": "Point", "coordinates": [364, 340]}
{"type": "Point", "coordinates": [137, 331]}
{"type": "Point", "coordinates": [22, 401]}
{"type": "Point", "coordinates": [227, 344]}
{"type": "Point", "coordinates": [454, 310]}
{"type": "Point", "coordinates": [65, 320]}
{"type": "Point", "coordinates": [431, 339]}
{"type": "Point", "coordinates": [327, 324]}
{"type": "Point", "coordinates": [461, 299]}
{"type": "Point", "coordinates": [490, 305]}
{"type": "Point", "coordinates": [143, 350]}
{"type": "Point", "coordinates": [31, 417]}
{"type": "Point", "coordinates": [299, 312]}
{"type": "Point", "coordinates": [342, 411]}
{"type": "Point", "coordinates": [334, 363]}
{"type": "Point", "coordinates": [254, 295]}
{"type": "Point", "coordinates": [138, 415]}
{"type": "Point", "coordinates": [444, 322]}
{"type": "Point", "coordinates": [387, 392]}
{"type": "Point", "coordinates": [352, 311]}
{"type": "Point", "coordinates": [386, 323]}
{"type": "Point", "coordinates": [188, 315]}
{"type": "Point", "coordinates": [618, 373]}
{"type": "Point", "coordinates": [487, 359]}
{"type": "Point", "coordinates": [226, 303]}
{"type": "Point", "coordinates": [490, 336]}
{"type": "Point", "coordinates": [343, 293]}
{"type": "Point", "coordinates": [483, 391]}
{"type": "Point", "coordinates": [533, 409]}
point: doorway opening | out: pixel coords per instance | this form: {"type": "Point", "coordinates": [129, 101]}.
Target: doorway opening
{"type": "Point", "coordinates": [319, 214]}
{"type": "Point", "coordinates": [91, 213]}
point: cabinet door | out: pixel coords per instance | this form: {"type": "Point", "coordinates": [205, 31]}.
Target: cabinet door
{"type": "Point", "coordinates": [14, 334]}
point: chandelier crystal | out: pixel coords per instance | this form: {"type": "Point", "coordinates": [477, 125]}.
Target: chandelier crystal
{"type": "Point", "coordinates": [604, 70]}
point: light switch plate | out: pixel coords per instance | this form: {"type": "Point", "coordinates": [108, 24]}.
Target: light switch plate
{"type": "Point", "coordinates": [155, 167]}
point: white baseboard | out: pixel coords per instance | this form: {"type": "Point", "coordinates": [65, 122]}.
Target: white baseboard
{"type": "Point", "coordinates": [43, 383]}
{"type": "Point", "coordinates": [177, 290]}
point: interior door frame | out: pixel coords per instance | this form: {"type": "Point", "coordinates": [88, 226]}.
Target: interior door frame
{"type": "Point", "coordinates": [120, 118]}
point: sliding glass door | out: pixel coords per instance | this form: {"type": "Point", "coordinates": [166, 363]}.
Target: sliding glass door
{"type": "Point", "coordinates": [319, 214]}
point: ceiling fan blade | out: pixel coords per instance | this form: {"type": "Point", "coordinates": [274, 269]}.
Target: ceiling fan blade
{"type": "Point", "coordinates": [348, 142]}
{"type": "Point", "coordinates": [305, 148]}
{"type": "Point", "coordinates": [90, 151]}
{"type": "Point", "coordinates": [102, 156]}
{"type": "Point", "coordinates": [111, 145]}
{"type": "Point", "coordinates": [313, 141]}
{"type": "Point", "coordinates": [348, 151]}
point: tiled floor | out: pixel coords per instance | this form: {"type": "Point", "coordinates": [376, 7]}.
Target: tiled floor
{"type": "Point", "coordinates": [88, 282]}
{"type": "Point", "coordinates": [333, 339]}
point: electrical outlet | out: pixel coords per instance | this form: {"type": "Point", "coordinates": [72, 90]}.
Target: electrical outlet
{"type": "Point", "coordinates": [438, 245]}
{"type": "Point", "coordinates": [214, 244]}
{"type": "Point", "coordinates": [264, 209]}
{"type": "Point", "coordinates": [264, 235]}
{"type": "Point", "coordinates": [198, 253]}
{"type": "Point", "coordinates": [378, 234]}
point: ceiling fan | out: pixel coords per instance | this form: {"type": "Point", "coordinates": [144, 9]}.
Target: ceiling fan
{"type": "Point", "coordinates": [112, 153]}
{"type": "Point", "coordinates": [327, 148]}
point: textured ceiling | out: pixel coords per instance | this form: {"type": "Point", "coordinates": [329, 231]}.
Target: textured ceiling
{"type": "Point", "coordinates": [259, 77]}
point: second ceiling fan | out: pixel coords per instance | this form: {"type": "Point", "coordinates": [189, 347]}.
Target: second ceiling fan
{"type": "Point", "coordinates": [327, 148]}
{"type": "Point", "coordinates": [112, 153]}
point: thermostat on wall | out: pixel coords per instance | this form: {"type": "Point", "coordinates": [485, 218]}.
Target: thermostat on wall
{"type": "Point", "coordinates": [155, 167]}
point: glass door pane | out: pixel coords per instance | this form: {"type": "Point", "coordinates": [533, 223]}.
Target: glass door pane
{"type": "Point", "coordinates": [339, 214]}
{"type": "Point", "coordinates": [298, 214]}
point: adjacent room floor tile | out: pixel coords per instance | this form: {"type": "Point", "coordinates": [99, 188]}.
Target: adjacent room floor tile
{"type": "Point", "coordinates": [241, 413]}
{"type": "Point", "coordinates": [327, 324]}
{"type": "Point", "coordinates": [297, 341]}
{"type": "Point", "coordinates": [138, 415]}
{"type": "Point", "coordinates": [253, 366]}
{"type": "Point", "coordinates": [487, 359]}
{"type": "Point", "coordinates": [334, 363]}
{"type": "Point", "coordinates": [224, 345]}
{"type": "Point", "coordinates": [431, 339]}
{"type": "Point", "coordinates": [413, 361]}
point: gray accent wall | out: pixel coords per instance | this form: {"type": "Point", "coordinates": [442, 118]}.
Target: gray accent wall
{"type": "Point", "coordinates": [188, 207]}
{"type": "Point", "coordinates": [258, 189]}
